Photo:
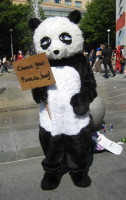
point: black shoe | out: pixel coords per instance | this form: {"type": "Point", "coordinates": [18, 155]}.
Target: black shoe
{"type": "Point", "coordinates": [50, 181]}
{"type": "Point", "coordinates": [80, 179]}
{"type": "Point", "coordinates": [114, 75]}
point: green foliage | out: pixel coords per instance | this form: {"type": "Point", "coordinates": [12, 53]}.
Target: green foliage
{"type": "Point", "coordinates": [14, 17]}
{"type": "Point", "coordinates": [99, 17]}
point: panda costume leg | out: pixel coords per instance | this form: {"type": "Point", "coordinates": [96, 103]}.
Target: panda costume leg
{"type": "Point", "coordinates": [54, 162]}
{"type": "Point", "coordinates": [79, 157]}
{"type": "Point", "coordinates": [68, 138]}
{"type": "Point", "coordinates": [64, 154]}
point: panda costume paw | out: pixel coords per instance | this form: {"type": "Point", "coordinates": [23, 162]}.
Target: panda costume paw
{"type": "Point", "coordinates": [65, 137]}
{"type": "Point", "coordinates": [39, 94]}
{"type": "Point", "coordinates": [80, 105]}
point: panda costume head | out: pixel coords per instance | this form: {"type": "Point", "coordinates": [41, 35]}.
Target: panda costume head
{"type": "Point", "coordinates": [65, 136]}
{"type": "Point", "coordinates": [58, 37]}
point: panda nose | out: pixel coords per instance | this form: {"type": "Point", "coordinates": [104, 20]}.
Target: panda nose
{"type": "Point", "coordinates": [56, 52]}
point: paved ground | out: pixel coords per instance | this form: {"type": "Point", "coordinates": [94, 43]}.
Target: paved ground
{"type": "Point", "coordinates": [18, 121]}
{"type": "Point", "coordinates": [20, 152]}
{"type": "Point", "coordinates": [21, 181]}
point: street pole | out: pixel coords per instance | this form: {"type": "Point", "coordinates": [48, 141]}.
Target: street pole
{"type": "Point", "coordinates": [108, 30]}
{"type": "Point", "coordinates": [11, 30]}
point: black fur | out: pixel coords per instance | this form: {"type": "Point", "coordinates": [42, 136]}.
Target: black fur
{"type": "Point", "coordinates": [34, 23]}
{"type": "Point", "coordinates": [75, 16]}
{"type": "Point", "coordinates": [39, 94]}
{"type": "Point", "coordinates": [80, 179]}
{"type": "Point", "coordinates": [50, 181]}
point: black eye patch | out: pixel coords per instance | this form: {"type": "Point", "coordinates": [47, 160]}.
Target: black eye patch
{"type": "Point", "coordinates": [66, 38]}
{"type": "Point", "coordinates": [45, 43]}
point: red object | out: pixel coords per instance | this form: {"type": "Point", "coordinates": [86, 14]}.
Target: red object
{"type": "Point", "coordinates": [119, 58]}
{"type": "Point", "coordinates": [20, 56]}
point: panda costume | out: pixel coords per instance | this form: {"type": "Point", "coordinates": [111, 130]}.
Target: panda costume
{"type": "Point", "coordinates": [65, 137]}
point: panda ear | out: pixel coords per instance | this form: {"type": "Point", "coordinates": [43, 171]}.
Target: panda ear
{"type": "Point", "coordinates": [34, 23]}
{"type": "Point", "coordinates": [75, 16]}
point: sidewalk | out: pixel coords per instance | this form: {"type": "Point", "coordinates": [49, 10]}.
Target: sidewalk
{"type": "Point", "coordinates": [11, 95]}
{"type": "Point", "coordinates": [113, 91]}
{"type": "Point", "coordinates": [18, 121]}
{"type": "Point", "coordinates": [21, 155]}
{"type": "Point", "coordinates": [21, 180]}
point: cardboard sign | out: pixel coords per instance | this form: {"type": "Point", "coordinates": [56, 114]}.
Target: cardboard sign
{"type": "Point", "coordinates": [34, 71]}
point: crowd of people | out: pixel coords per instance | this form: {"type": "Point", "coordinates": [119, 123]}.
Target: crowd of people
{"type": "Point", "coordinates": [6, 64]}
{"type": "Point", "coordinates": [108, 60]}
{"type": "Point", "coordinates": [103, 59]}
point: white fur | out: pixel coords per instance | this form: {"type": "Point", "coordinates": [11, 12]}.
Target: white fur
{"type": "Point", "coordinates": [63, 119]}
{"type": "Point", "coordinates": [52, 27]}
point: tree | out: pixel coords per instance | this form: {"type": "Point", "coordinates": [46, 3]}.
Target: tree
{"type": "Point", "coordinates": [14, 17]}
{"type": "Point", "coordinates": [99, 17]}
{"type": "Point", "coordinates": [36, 9]}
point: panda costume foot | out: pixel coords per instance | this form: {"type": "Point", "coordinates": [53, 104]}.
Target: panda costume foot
{"type": "Point", "coordinates": [80, 179]}
{"type": "Point", "coordinates": [50, 181]}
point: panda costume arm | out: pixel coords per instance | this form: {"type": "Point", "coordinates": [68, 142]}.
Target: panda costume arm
{"type": "Point", "coordinates": [82, 100]}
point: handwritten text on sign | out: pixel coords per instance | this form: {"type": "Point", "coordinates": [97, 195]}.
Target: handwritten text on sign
{"type": "Point", "coordinates": [34, 72]}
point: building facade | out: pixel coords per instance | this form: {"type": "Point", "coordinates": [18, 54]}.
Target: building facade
{"type": "Point", "coordinates": [59, 7]}
{"type": "Point", "coordinates": [120, 22]}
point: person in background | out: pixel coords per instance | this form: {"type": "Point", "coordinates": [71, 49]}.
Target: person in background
{"type": "Point", "coordinates": [85, 53]}
{"type": "Point", "coordinates": [27, 54]}
{"type": "Point", "coordinates": [13, 58]}
{"type": "Point", "coordinates": [6, 65]}
{"type": "Point", "coordinates": [4, 59]}
{"type": "Point", "coordinates": [106, 56]}
{"type": "Point", "coordinates": [92, 57]}
{"type": "Point", "coordinates": [118, 67]}
{"type": "Point", "coordinates": [20, 56]}
{"type": "Point", "coordinates": [3, 64]}
{"type": "Point", "coordinates": [124, 58]}
{"type": "Point", "coordinates": [0, 62]}
{"type": "Point", "coordinates": [98, 61]}
{"type": "Point", "coordinates": [114, 58]}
